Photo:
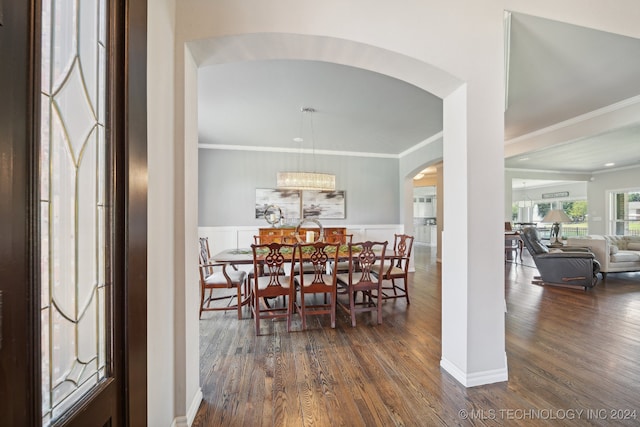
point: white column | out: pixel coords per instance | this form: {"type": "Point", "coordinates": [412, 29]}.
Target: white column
{"type": "Point", "coordinates": [473, 338]}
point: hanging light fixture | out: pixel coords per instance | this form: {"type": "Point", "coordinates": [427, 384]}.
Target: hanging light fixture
{"type": "Point", "coordinates": [306, 180]}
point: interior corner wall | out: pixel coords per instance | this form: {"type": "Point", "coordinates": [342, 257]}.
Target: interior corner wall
{"type": "Point", "coordinates": [160, 244]}
{"type": "Point", "coordinates": [420, 158]}
{"type": "Point", "coordinates": [409, 163]}
{"type": "Point", "coordinates": [370, 185]}
{"type": "Point", "coordinates": [440, 195]}
{"type": "Point", "coordinates": [189, 281]}
{"type": "Point", "coordinates": [597, 191]}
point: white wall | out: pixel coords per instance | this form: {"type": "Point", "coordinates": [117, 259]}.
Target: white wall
{"type": "Point", "coordinates": [576, 190]}
{"type": "Point", "coordinates": [620, 180]}
{"type": "Point", "coordinates": [161, 274]}
{"type": "Point", "coordinates": [435, 45]}
{"type": "Point", "coordinates": [621, 19]}
{"type": "Point", "coordinates": [534, 194]}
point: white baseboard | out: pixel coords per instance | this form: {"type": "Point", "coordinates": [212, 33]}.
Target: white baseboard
{"type": "Point", "coordinates": [187, 420]}
{"type": "Point", "coordinates": [180, 422]}
{"type": "Point", "coordinates": [195, 404]}
{"type": "Point", "coordinates": [476, 378]}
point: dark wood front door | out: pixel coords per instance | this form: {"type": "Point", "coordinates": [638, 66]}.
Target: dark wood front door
{"type": "Point", "coordinates": [119, 398]}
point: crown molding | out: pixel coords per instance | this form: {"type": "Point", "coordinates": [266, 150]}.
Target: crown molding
{"type": "Point", "coordinates": [295, 151]}
{"type": "Point", "coordinates": [424, 143]}
{"type": "Point", "coordinates": [577, 119]}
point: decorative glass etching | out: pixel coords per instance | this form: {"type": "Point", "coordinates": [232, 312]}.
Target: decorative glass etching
{"type": "Point", "coordinates": [73, 203]}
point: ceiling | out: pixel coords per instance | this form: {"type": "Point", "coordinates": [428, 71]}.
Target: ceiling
{"type": "Point", "coordinates": [558, 73]}
{"type": "Point", "coordinates": [259, 104]}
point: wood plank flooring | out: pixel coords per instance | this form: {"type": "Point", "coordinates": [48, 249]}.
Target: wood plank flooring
{"type": "Point", "coordinates": [568, 351]}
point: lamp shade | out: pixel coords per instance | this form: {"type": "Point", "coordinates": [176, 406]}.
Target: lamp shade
{"type": "Point", "coordinates": [556, 215]}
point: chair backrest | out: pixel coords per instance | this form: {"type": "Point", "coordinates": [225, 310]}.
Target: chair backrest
{"type": "Point", "coordinates": [293, 238]}
{"type": "Point", "coordinates": [362, 257]}
{"type": "Point", "coordinates": [319, 255]}
{"type": "Point", "coordinates": [271, 259]}
{"type": "Point", "coordinates": [206, 268]}
{"type": "Point", "coordinates": [531, 238]}
{"type": "Point", "coordinates": [340, 238]}
{"type": "Point", "coordinates": [508, 226]}
{"type": "Point", "coordinates": [402, 246]}
{"type": "Point", "coordinates": [204, 250]}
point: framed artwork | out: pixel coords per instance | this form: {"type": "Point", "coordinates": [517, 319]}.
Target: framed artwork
{"type": "Point", "coordinates": [287, 200]}
{"type": "Point", "coordinates": [323, 204]}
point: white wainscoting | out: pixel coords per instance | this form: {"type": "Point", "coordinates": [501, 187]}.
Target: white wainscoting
{"type": "Point", "coordinates": [221, 238]}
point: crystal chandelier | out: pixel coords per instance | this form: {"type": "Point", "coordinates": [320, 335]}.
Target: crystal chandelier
{"type": "Point", "coordinates": [306, 180]}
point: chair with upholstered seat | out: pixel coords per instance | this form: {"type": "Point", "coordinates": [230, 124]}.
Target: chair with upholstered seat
{"type": "Point", "coordinates": [342, 240]}
{"type": "Point", "coordinates": [363, 256]}
{"type": "Point", "coordinates": [569, 266]}
{"type": "Point", "coordinates": [215, 276]}
{"type": "Point", "coordinates": [273, 264]}
{"type": "Point", "coordinates": [397, 268]}
{"type": "Point", "coordinates": [321, 279]}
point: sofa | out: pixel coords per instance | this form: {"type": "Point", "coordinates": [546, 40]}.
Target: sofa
{"type": "Point", "coordinates": [615, 253]}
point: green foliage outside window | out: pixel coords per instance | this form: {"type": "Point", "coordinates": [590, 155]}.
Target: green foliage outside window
{"type": "Point", "coordinates": [543, 209]}
{"type": "Point", "coordinates": [576, 210]}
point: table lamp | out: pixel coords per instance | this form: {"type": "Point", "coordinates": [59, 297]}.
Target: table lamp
{"type": "Point", "coordinates": [556, 216]}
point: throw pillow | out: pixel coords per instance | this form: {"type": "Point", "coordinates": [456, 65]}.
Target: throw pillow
{"type": "Point", "coordinates": [613, 249]}
{"type": "Point", "coordinates": [633, 246]}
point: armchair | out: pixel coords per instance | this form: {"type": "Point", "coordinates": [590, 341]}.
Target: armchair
{"type": "Point", "coordinates": [568, 266]}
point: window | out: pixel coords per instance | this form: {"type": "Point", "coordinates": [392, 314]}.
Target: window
{"type": "Point", "coordinates": [624, 212]}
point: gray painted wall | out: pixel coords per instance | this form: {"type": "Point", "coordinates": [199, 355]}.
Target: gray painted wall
{"type": "Point", "coordinates": [227, 181]}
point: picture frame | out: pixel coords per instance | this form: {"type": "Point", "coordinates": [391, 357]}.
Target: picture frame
{"type": "Point", "coordinates": [323, 204]}
{"type": "Point", "coordinates": [289, 202]}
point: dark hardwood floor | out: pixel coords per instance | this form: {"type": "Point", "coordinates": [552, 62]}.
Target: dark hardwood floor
{"type": "Point", "coordinates": [573, 357]}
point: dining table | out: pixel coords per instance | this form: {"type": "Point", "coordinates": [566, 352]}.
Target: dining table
{"type": "Point", "coordinates": [244, 256]}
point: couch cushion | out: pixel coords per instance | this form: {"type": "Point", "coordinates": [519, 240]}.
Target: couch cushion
{"type": "Point", "coordinates": [626, 256]}
{"type": "Point", "coordinates": [613, 249]}
{"type": "Point", "coordinates": [633, 246]}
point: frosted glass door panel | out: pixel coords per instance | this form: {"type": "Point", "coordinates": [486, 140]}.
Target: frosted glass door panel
{"type": "Point", "coordinates": [74, 221]}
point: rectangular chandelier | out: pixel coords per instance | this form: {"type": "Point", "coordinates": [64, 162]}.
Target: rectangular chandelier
{"type": "Point", "coordinates": [306, 181]}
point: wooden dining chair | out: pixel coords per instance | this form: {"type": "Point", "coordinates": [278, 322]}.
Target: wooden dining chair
{"type": "Point", "coordinates": [216, 275]}
{"type": "Point", "coordinates": [336, 237]}
{"type": "Point", "coordinates": [320, 280]}
{"type": "Point", "coordinates": [342, 239]}
{"type": "Point", "coordinates": [272, 265]}
{"type": "Point", "coordinates": [363, 256]}
{"type": "Point", "coordinates": [396, 268]}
